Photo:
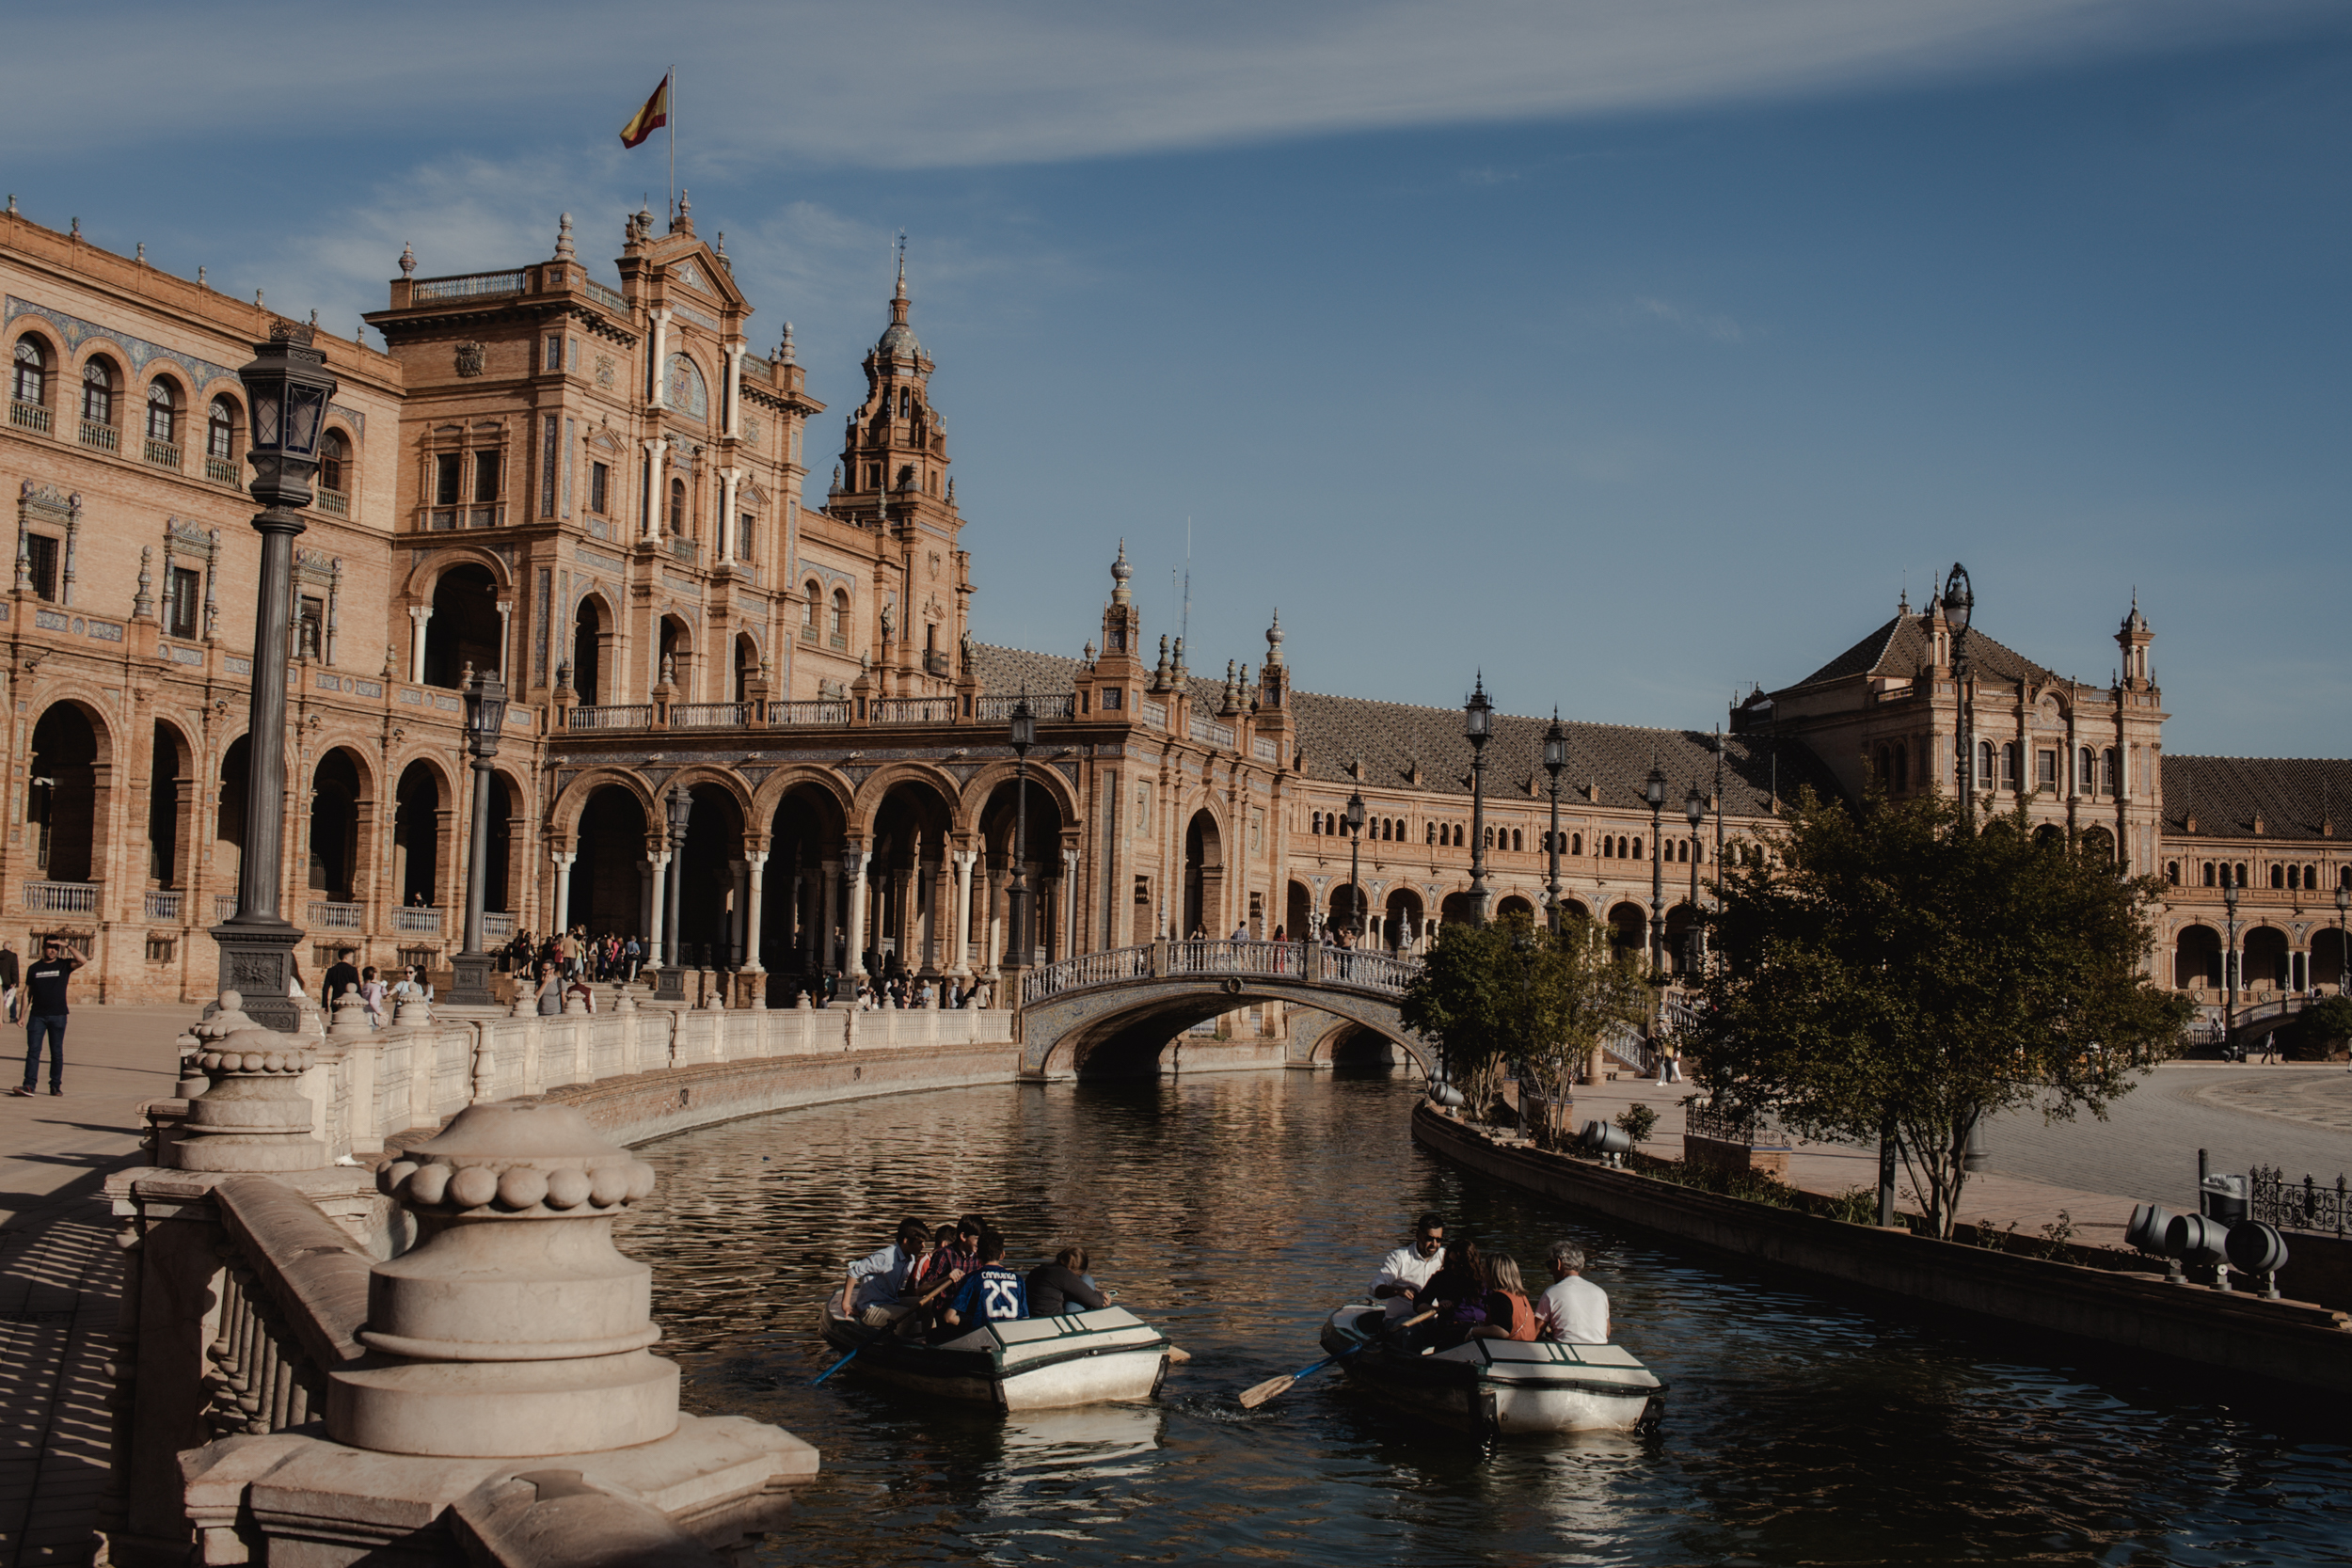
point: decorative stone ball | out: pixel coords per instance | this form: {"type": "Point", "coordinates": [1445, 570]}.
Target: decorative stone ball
{"type": "Point", "coordinates": [473, 1186]}
{"type": "Point", "coordinates": [522, 1187]}
{"type": "Point", "coordinates": [517, 1160]}
{"type": "Point", "coordinates": [568, 1189]}
{"type": "Point", "coordinates": [429, 1185]}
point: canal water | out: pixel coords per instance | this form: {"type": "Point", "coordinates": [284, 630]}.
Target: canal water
{"type": "Point", "coordinates": [1237, 1209]}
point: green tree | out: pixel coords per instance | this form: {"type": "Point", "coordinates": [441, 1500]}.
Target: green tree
{"type": "Point", "coordinates": [2318, 1027]}
{"type": "Point", "coordinates": [1886, 967]}
{"type": "Point", "coordinates": [1513, 991]}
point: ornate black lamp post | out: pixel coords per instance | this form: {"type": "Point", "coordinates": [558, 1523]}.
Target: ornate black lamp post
{"type": "Point", "coordinates": [1654, 791]}
{"type": "Point", "coordinates": [1478, 723]}
{"type": "Point", "coordinates": [1960, 603]}
{"type": "Point", "coordinates": [670, 981]}
{"type": "Point", "coordinates": [1354, 821]}
{"type": "Point", "coordinates": [485, 716]}
{"type": "Point", "coordinates": [2229, 958]}
{"type": "Point", "coordinates": [2343, 949]}
{"type": "Point", "coordinates": [288, 389]}
{"type": "Point", "coordinates": [1024, 735]}
{"type": "Point", "coordinates": [1695, 810]}
{"type": "Point", "coordinates": [1555, 758]}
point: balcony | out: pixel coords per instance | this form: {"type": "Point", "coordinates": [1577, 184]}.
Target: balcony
{"type": "Point", "coordinates": [61, 898]}
{"type": "Point", "coordinates": [709, 715]}
{"type": "Point", "coordinates": [104, 436]}
{"type": "Point", "coordinates": [605, 297]}
{"type": "Point", "coordinates": [164, 454]}
{"type": "Point", "coordinates": [224, 905]}
{"type": "Point", "coordinates": [28, 416]}
{"type": "Point", "coordinates": [1204, 728]}
{"type": "Point", "coordinates": [914, 710]}
{"type": "Point", "coordinates": [220, 470]}
{"type": "Point", "coordinates": [335, 501]}
{"type": "Point", "coordinates": [996, 710]}
{"type": "Point", "coordinates": [498, 926]}
{"type": "Point", "coordinates": [477, 285]}
{"type": "Point", "coordinates": [622, 715]}
{"type": "Point", "coordinates": [327, 916]}
{"type": "Point", "coordinates": [421, 918]}
{"type": "Point", "coordinates": [822, 711]}
{"type": "Point", "coordinates": [164, 904]}
{"type": "Point", "coordinates": [685, 549]}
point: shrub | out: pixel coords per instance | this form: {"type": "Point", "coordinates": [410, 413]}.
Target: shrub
{"type": "Point", "coordinates": [1637, 1121]}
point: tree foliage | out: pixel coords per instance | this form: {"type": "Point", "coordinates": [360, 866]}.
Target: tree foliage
{"type": "Point", "coordinates": [2318, 1027]}
{"type": "Point", "coordinates": [1886, 967]}
{"type": "Point", "coordinates": [1515, 991]}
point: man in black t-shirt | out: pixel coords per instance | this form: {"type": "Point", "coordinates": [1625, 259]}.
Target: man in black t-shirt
{"type": "Point", "coordinates": [342, 975]}
{"type": "Point", "coordinates": [45, 1013]}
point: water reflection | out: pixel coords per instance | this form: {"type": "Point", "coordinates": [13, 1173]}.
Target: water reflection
{"type": "Point", "coordinates": [1233, 1210]}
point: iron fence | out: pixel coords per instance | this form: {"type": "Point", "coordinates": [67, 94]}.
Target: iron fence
{"type": "Point", "coordinates": [2303, 1205]}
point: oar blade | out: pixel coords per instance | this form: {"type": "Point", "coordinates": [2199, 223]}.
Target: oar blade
{"type": "Point", "coordinates": [1258, 1394]}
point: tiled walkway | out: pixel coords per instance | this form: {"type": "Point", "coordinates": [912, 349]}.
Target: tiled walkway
{"type": "Point", "coordinates": [60, 1272]}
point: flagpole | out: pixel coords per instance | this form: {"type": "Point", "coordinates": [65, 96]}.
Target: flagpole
{"type": "Point", "coordinates": [671, 118]}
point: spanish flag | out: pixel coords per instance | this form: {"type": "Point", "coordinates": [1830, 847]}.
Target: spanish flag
{"type": "Point", "coordinates": [652, 117]}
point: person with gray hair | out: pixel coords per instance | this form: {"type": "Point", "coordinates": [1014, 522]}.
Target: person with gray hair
{"type": "Point", "coordinates": [1575, 1311]}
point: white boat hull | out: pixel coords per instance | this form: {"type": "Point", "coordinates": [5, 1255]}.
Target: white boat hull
{"type": "Point", "coordinates": [1506, 1387]}
{"type": "Point", "coordinates": [1025, 1364]}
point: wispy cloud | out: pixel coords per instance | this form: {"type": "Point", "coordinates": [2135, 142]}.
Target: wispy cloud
{"type": "Point", "coordinates": [1698, 324]}
{"type": "Point", "coordinates": [955, 83]}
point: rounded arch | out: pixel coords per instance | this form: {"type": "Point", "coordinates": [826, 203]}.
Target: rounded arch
{"type": "Point", "coordinates": [979, 796]}
{"type": "Point", "coordinates": [510, 811]}
{"type": "Point", "coordinates": [224, 428]}
{"type": "Point", "coordinates": [102, 382]}
{"type": "Point", "coordinates": [1205, 873]}
{"type": "Point", "coordinates": [995, 826]}
{"type": "Point", "coordinates": [1574, 909]}
{"type": "Point", "coordinates": [907, 828]}
{"type": "Point", "coordinates": [749, 662]}
{"type": "Point", "coordinates": [1628, 928]}
{"type": "Point", "coordinates": [1298, 909]}
{"type": "Point", "coordinates": [167, 403]}
{"type": "Point", "coordinates": [2097, 844]}
{"type": "Point", "coordinates": [594, 634]}
{"type": "Point", "coordinates": [33, 368]}
{"type": "Point", "coordinates": [466, 627]}
{"type": "Point", "coordinates": [1515, 904]}
{"type": "Point", "coordinates": [70, 762]}
{"type": "Point", "coordinates": [425, 575]}
{"type": "Point", "coordinates": [673, 652]}
{"type": "Point", "coordinates": [793, 778]}
{"type": "Point", "coordinates": [171, 797]}
{"type": "Point", "coordinates": [1403, 918]}
{"type": "Point", "coordinates": [709, 931]}
{"type": "Point", "coordinates": [1126, 1038]}
{"type": "Point", "coordinates": [337, 452]}
{"type": "Point", "coordinates": [571, 802]}
{"type": "Point", "coordinates": [806, 813]}
{"type": "Point", "coordinates": [423, 827]}
{"type": "Point", "coordinates": [2263, 958]}
{"type": "Point", "coordinates": [341, 784]}
{"type": "Point", "coordinates": [2196, 958]}
{"type": "Point", "coordinates": [608, 891]}
{"type": "Point", "coordinates": [227, 826]}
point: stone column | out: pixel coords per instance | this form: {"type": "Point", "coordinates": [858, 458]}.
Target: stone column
{"type": "Point", "coordinates": [727, 545]}
{"type": "Point", "coordinates": [657, 495]}
{"type": "Point", "coordinates": [821, 943]}
{"type": "Point", "coordinates": [1068, 932]}
{"type": "Point", "coordinates": [960, 935]}
{"type": "Point", "coordinates": [733, 429]}
{"type": "Point", "coordinates": [561, 918]}
{"type": "Point", "coordinates": [506, 642]}
{"type": "Point", "coordinates": [740, 873]}
{"type": "Point", "coordinates": [992, 923]}
{"type": "Point", "coordinates": [659, 362]}
{"type": "Point", "coordinates": [418, 616]}
{"type": "Point", "coordinates": [655, 925]}
{"type": "Point", "coordinates": [756, 863]}
{"type": "Point", "coordinates": [853, 861]}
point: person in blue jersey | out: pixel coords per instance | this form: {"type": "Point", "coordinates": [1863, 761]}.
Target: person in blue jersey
{"type": "Point", "coordinates": [992, 1293]}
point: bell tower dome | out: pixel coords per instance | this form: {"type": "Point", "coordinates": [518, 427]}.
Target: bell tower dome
{"type": "Point", "coordinates": [894, 452]}
{"type": "Point", "coordinates": [2134, 636]}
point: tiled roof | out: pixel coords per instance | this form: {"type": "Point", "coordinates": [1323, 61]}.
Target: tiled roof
{"type": "Point", "coordinates": [2293, 795]}
{"type": "Point", "coordinates": [1899, 647]}
{"type": "Point", "coordinates": [1611, 760]}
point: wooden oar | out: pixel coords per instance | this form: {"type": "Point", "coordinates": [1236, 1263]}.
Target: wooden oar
{"type": "Point", "coordinates": [923, 1301]}
{"type": "Point", "coordinates": [1253, 1397]}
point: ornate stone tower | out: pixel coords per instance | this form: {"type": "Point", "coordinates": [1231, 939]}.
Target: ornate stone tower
{"type": "Point", "coordinates": [894, 481]}
{"type": "Point", "coordinates": [2134, 638]}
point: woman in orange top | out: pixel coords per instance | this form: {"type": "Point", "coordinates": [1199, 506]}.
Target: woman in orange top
{"type": "Point", "coordinates": [1508, 1314]}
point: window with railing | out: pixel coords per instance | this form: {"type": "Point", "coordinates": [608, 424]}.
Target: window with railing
{"type": "Point", "coordinates": [41, 556]}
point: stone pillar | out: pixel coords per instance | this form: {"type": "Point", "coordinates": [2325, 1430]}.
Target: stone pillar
{"type": "Point", "coordinates": [657, 490]}
{"type": "Point", "coordinates": [657, 396]}
{"type": "Point", "coordinates": [733, 429]}
{"type": "Point", "coordinates": [254, 1117]}
{"type": "Point", "coordinates": [661, 888]}
{"type": "Point", "coordinates": [757, 861]}
{"type": "Point", "coordinates": [560, 919]}
{"type": "Point", "coordinates": [506, 644]}
{"type": "Point", "coordinates": [853, 861]}
{"type": "Point", "coordinates": [739, 875]}
{"type": "Point", "coordinates": [418, 616]}
{"type": "Point", "coordinates": [1068, 932]}
{"type": "Point", "coordinates": [821, 945]}
{"type": "Point", "coordinates": [960, 935]}
{"type": "Point", "coordinates": [728, 546]}
{"type": "Point", "coordinates": [992, 923]}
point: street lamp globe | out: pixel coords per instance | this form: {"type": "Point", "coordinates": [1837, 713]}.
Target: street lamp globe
{"type": "Point", "coordinates": [1960, 598]}
{"type": "Point", "coordinates": [1023, 727]}
{"type": "Point", "coordinates": [1694, 806]}
{"type": "Point", "coordinates": [1654, 787]}
{"type": "Point", "coordinates": [1355, 813]}
{"type": "Point", "coordinates": [1555, 748]}
{"type": "Point", "coordinates": [485, 713]}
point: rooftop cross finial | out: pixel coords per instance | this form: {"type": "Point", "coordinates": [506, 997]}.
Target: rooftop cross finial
{"type": "Point", "coordinates": [902, 264]}
{"type": "Point", "coordinates": [1121, 572]}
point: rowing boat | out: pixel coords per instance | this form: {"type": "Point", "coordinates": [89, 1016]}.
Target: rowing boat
{"type": "Point", "coordinates": [1017, 1364]}
{"type": "Point", "coordinates": [1497, 1386]}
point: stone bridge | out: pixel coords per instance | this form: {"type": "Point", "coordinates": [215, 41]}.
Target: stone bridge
{"type": "Point", "coordinates": [1113, 1012]}
{"type": "Point", "coordinates": [2254, 1020]}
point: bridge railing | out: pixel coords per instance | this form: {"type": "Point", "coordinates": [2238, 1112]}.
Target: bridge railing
{"type": "Point", "coordinates": [1316, 965]}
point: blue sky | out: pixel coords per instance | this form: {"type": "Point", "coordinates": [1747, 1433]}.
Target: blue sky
{"type": "Point", "coordinates": [1630, 349]}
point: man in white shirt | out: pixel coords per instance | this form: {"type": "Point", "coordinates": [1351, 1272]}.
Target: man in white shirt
{"type": "Point", "coordinates": [879, 1281]}
{"type": "Point", "coordinates": [1575, 1311]}
{"type": "Point", "coordinates": [1404, 1272]}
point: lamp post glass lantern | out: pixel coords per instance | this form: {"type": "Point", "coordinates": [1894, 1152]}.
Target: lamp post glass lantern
{"type": "Point", "coordinates": [1478, 726]}
{"type": "Point", "coordinates": [1023, 735]}
{"type": "Point", "coordinates": [288, 387]}
{"type": "Point", "coordinates": [1959, 607]}
{"type": "Point", "coordinates": [2229, 956]}
{"type": "Point", "coordinates": [485, 716]}
{"type": "Point", "coordinates": [1555, 758]}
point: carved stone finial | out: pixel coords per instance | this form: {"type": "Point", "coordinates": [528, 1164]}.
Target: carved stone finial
{"type": "Point", "coordinates": [564, 251]}
{"type": "Point", "coordinates": [784, 349]}
{"type": "Point", "coordinates": [254, 1115]}
{"type": "Point", "coordinates": [1121, 572]}
{"type": "Point", "coordinates": [407, 260]}
{"type": "Point", "coordinates": [143, 603]}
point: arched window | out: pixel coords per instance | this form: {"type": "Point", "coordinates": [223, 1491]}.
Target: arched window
{"type": "Point", "coordinates": [1902, 769]}
{"type": "Point", "coordinates": [1457, 835]}
{"type": "Point", "coordinates": [98, 392]}
{"type": "Point", "coordinates": [31, 381]}
{"type": "Point", "coordinates": [1985, 774]}
{"type": "Point", "coordinates": [334, 457]}
{"type": "Point", "coordinates": [2172, 873]}
{"type": "Point", "coordinates": [1637, 848]}
{"type": "Point", "coordinates": [1315, 825]}
{"type": "Point", "coordinates": [220, 430]}
{"type": "Point", "coordinates": [162, 412]}
{"type": "Point", "coordinates": [2278, 876]}
{"type": "Point", "coordinates": [2009, 765]}
{"type": "Point", "coordinates": [1431, 833]}
{"type": "Point", "coordinates": [808, 606]}
{"type": "Point", "coordinates": [1575, 844]}
{"type": "Point", "coordinates": [1885, 767]}
{"type": "Point", "coordinates": [2106, 771]}
{"type": "Point", "coordinates": [677, 506]}
{"type": "Point", "coordinates": [2294, 877]}
{"type": "Point", "coordinates": [1519, 839]}
{"type": "Point", "coordinates": [841, 614]}
{"type": "Point", "coordinates": [2084, 779]}
{"type": "Point", "coordinates": [2208, 874]}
